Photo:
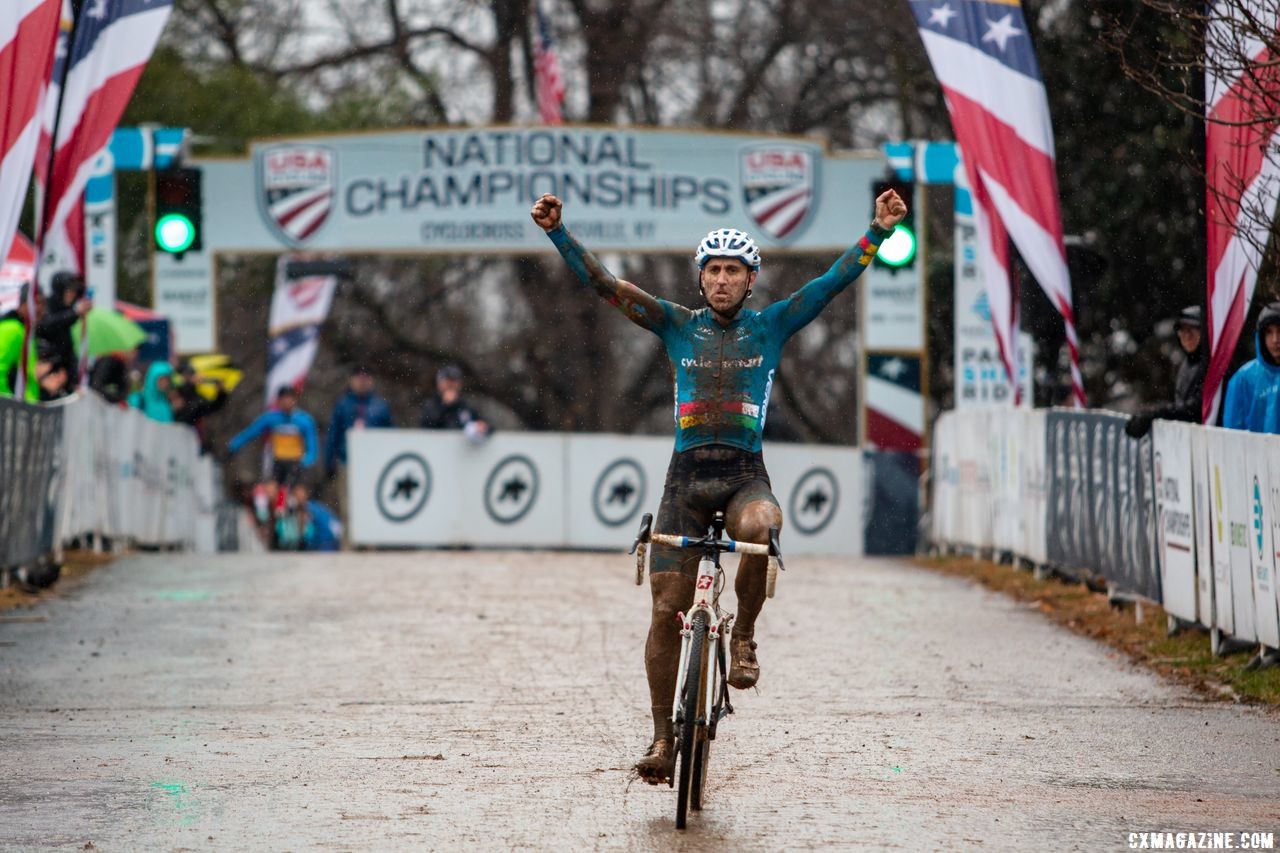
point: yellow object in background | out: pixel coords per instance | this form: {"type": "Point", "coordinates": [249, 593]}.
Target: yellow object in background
{"type": "Point", "coordinates": [214, 366]}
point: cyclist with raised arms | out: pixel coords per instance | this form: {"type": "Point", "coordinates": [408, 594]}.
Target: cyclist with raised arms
{"type": "Point", "coordinates": [724, 358]}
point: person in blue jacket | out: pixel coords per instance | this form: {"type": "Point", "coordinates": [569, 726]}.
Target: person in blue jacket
{"type": "Point", "coordinates": [291, 438]}
{"type": "Point", "coordinates": [358, 408]}
{"type": "Point", "coordinates": [1253, 394]}
{"type": "Point", "coordinates": [153, 399]}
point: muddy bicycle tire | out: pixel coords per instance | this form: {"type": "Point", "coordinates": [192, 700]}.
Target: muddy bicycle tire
{"type": "Point", "coordinates": [690, 701]}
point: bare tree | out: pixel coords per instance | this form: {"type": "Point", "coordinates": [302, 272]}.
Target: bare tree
{"type": "Point", "coordinates": [1225, 41]}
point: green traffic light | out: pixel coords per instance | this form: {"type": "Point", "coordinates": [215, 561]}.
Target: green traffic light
{"type": "Point", "coordinates": [175, 233]}
{"type": "Point", "coordinates": [900, 249]}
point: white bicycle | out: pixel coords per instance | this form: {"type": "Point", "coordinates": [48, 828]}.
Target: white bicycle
{"type": "Point", "coordinates": [702, 692]}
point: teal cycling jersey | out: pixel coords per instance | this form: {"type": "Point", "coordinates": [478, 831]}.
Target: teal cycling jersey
{"type": "Point", "coordinates": [724, 373]}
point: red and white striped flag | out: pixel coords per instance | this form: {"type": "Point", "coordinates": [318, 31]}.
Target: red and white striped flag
{"type": "Point", "coordinates": [982, 55]}
{"type": "Point", "coordinates": [112, 41]}
{"type": "Point", "coordinates": [1242, 181]}
{"type": "Point", "coordinates": [28, 36]}
{"type": "Point", "coordinates": [548, 82]}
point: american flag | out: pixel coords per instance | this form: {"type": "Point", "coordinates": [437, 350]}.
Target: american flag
{"type": "Point", "coordinates": [548, 82]}
{"type": "Point", "coordinates": [110, 46]}
{"type": "Point", "coordinates": [28, 35]}
{"type": "Point", "coordinates": [982, 55]}
{"type": "Point", "coordinates": [1242, 178]}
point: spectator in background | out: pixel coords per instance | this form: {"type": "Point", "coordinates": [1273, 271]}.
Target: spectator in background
{"type": "Point", "coordinates": [67, 304]}
{"type": "Point", "coordinates": [358, 408]}
{"type": "Point", "coordinates": [1188, 387]}
{"type": "Point", "coordinates": [321, 530]}
{"type": "Point", "coordinates": [13, 327]}
{"type": "Point", "coordinates": [51, 373]}
{"type": "Point", "coordinates": [291, 439]}
{"type": "Point", "coordinates": [1253, 394]}
{"type": "Point", "coordinates": [446, 409]}
{"type": "Point", "coordinates": [191, 407]}
{"type": "Point", "coordinates": [109, 376]}
{"type": "Point", "coordinates": [153, 399]}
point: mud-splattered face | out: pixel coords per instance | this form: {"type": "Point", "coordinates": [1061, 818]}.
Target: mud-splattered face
{"type": "Point", "coordinates": [725, 284]}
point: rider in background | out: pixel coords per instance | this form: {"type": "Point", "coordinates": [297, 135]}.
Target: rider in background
{"type": "Point", "coordinates": [724, 358]}
{"type": "Point", "coordinates": [291, 439]}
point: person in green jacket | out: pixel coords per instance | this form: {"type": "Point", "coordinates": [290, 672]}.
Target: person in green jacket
{"type": "Point", "coordinates": [12, 327]}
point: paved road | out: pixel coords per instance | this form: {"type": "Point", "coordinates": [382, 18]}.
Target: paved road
{"type": "Point", "coordinates": [395, 701]}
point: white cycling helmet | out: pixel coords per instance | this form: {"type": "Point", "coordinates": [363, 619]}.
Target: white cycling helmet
{"type": "Point", "coordinates": [728, 243]}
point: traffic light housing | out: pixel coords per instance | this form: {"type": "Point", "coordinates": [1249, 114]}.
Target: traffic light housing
{"type": "Point", "coordinates": [899, 251]}
{"type": "Point", "coordinates": [179, 211]}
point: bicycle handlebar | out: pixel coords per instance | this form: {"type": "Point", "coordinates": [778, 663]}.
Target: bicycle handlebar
{"type": "Point", "coordinates": [728, 545]}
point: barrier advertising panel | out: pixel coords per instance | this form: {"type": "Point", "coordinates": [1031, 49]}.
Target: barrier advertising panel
{"type": "Point", "coordinates": [1220, 526]}
{"type": "Point", "coordinates": [1273, 515]}
{"type": "Point", "coordinates": [1171, 460]}
{"type": "Point", "coordinates": [29, 470]}
{"type": "Point", "coordinates": [612, 481]}
{"type": "Point", "coordinates": [429, 488]}
{"type": "Point", "coordinates": [1237, 507]}
{"type": "Point", "coordinates": [1257, 460]}
{"type": "Point", "coordinates": [1101, 500]}
{"type": "Point", "coordinates": [1034, 497]}
{"type": "Point", "coordinates": [1201, 482]}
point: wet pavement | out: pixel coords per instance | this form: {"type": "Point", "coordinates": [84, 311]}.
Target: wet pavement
{"type": "Point", "coordinates": [435, 700]}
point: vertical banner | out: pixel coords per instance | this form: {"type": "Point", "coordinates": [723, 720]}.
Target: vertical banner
{"type": "Point", "coordinates": [100, 229]}
{"type": "Point", "coordinates": [1200, 481]}
{"type": "Point", "coordinates": [980, 377]}
{"type": "Point", "coordinates": [1257, 460]}
{"type": "Point", "coordinates": [299, 307]}
{"type": "Point", "coordinates": [894, 402]}
{"type": "Point", "coordinates": [1172, 463]}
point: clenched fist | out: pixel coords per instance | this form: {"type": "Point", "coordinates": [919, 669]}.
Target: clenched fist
{"type": "Point", "coordinates": [546, 212]}
{"type": "Point", "coordinates": [890, 208]}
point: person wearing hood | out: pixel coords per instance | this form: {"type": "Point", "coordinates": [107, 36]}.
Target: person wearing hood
{"type": "Point", "coordinates": [13, 327]}
{"type": "Point", "coordinates": [191, 407]}
{"type": "Point", "coordinates": [153, 399]}
{"type": "Point", "coordinates": [1188, 387]}
{"type": "Point", "coordinates": [1253, 394]}
{"type": "Point", "coordinates": [67, 304]}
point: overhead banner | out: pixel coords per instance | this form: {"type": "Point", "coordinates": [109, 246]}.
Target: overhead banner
{"type": "Point", "coordinates": [1102, 513]}
{"type": "Point", "coordinates": [470, 190]}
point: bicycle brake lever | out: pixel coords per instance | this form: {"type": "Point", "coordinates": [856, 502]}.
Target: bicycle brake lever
{"type": "Point", "coordinates": [774, 549]}
{"type": "Point", "coordinates": [646, 528]}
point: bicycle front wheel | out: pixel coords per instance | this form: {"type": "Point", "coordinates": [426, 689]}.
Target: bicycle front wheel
{"type": "Point", "coordinates": [691, 704]}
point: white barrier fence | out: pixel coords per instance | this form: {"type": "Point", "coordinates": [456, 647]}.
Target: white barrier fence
{"type": "Point", "coordinates": [1189, 517]}
{"type": "Point", "coordinates": [431, 488]}
{"type": "Point", "coordinates": [131, 478]}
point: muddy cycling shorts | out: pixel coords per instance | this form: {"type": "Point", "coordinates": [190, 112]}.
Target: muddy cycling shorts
{"type": "Point", "coordinates": [700, 481]}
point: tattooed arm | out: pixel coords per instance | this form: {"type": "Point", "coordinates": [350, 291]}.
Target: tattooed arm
{"type": "Point", "coordinates": [641, 308]}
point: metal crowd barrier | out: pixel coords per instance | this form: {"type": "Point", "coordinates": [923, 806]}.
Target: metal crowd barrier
{"type": "Point", "coordinates": [1188, 517]}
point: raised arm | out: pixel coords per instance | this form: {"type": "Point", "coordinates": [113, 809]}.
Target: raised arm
{"type": "Point", "coordinates": [641, 308]}
{"type": "Point", "coordinates": [800, 308]}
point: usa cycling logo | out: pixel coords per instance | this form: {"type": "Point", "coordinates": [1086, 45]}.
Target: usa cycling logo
{"type": "Point", "coordinates": [296, 185]}
{"type": "Point", "coordinates": [779, 187]}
